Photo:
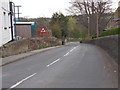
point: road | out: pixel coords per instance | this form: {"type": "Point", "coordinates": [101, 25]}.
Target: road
{"type": "Point", "coordinates": [72, 66]}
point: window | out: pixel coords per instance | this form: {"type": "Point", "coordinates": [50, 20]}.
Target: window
{"type": "Point", "coordinates": [4, 20]}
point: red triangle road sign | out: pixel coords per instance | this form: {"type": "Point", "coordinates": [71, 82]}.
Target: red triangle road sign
{"type": "Point", "coordinates": [43, 30]}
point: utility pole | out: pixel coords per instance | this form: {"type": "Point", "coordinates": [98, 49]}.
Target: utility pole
{"type": "Point", "coordinates": [12, 18]}
{"type": "Point", "coordinates": [97, 27]}
{"type": "Point", "coordinates": [88, 26]}
{"type": "Point", "coordinates": [18, 10]}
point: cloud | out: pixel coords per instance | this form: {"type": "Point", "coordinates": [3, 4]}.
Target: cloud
{"type": "Point", "coordinates": [36, 8]}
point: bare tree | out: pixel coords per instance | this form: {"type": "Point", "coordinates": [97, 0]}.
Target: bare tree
{"type": "Point", "coordinates": [91, 9]}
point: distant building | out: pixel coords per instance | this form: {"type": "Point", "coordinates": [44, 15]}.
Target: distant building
{"type": "Point", "coordinates": [6, 22]}
{"type": "Point", "coordinates": [115, 20]}
{"type": "Point", "coordinates": [25, 29]}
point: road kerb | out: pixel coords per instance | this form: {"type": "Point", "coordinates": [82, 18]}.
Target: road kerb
{"type": "Point", "coordinates": [23, 57]}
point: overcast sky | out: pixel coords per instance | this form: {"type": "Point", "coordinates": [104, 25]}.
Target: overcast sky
{"type": "Point", "coordinates": [44, 8]}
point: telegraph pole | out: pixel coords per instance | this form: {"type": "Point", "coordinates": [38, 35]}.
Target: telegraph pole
{"type": "Point", "coordinates": [18, 10]}
{"type": "Point", "coordinates": [88, 26]}
{"type": "Point", "coordinates": [97, 27]}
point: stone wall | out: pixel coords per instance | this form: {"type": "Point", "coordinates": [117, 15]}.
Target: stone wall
{"type": "Point", "coordinates": [26, 45]}
{"type": "Point", "coordinates": [109, 44]}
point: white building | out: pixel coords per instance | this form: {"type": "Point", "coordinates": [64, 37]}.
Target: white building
{"type": "Point", "coordinates": [6, 31]}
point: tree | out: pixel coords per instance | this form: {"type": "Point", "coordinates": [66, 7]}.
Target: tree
{"type": "Point", "coordinates": [58, 19]}
{"type": "Point", "coordinates": [63, 24]}
{"type": "Point", "coordinates": [91, 9]}
{"type": "Point", "coordinates": [73, 30]}
{"type": "Point", "coordinates": [56, 30]}
{"type": "Point", "coordinates": [71, 26]}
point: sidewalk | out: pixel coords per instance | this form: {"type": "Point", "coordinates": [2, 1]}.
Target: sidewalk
{"type": "Point", "coordinates": [14, 58]}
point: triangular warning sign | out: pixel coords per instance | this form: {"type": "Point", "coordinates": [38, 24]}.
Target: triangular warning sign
{"type": "Point", "coordinates": [43, 30]}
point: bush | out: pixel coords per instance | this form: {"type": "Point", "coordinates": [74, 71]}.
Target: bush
{"type": "Point", "coordinates": [94, 36]}
{"type": "Point", "coordinates": [112, 31]}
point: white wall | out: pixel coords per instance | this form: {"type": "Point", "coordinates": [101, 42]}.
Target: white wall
{"type": "Point", "coordinates": [5, 34]}
{"type": "Point", "coordinates": [0, 24]}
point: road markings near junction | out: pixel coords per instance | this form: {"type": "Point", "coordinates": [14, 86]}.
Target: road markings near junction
{"type": "Point", "coordinates": [53, 62]}
{"type": "Point", "coordinates": [18, 83]}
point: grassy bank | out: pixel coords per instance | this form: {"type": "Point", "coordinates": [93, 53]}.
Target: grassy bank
{"type": "Point", "coordinates": [112, 31]}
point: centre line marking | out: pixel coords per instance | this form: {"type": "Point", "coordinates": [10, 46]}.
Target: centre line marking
{"type": "Point", "coordinates": [22, 81]}
{"type": "Point", "coordinates": [66, 54]}
{"type": "Point", "coordinates": [71, 50]}
{"type": "Point", "coordinates": [53, 62]}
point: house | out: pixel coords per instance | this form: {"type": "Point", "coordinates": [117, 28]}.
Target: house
{"type": "Point", "coordinates": [25, 29]}
{"type": "Point", "coordinates": [6, 22]}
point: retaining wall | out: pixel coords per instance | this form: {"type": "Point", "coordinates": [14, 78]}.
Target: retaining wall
{"type": "Point", "coordinates": [26, 45]}
{"type": "Point", "coordinates": [109, 44]}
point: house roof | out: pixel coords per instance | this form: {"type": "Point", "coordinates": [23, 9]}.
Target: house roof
{"type": "Point", "coordinates": [116, 19]}
{"type": "Point", "coordinates": [25, 23]}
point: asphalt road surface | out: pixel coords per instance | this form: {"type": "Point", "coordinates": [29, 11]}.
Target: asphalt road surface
{"type": "Point", "coordinates": [72, 66]}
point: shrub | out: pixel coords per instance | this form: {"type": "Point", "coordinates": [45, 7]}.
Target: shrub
{"type": "Point", "coordinates": [112, 31]}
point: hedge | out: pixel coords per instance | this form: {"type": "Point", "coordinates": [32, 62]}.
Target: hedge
{"type": "Point", "coordinates": [112, 31]}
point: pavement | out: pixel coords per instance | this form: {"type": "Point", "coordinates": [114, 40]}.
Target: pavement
{"type": "Point", "coordinates": [72, 66]}
{"type": "Point", "coordinates": [14, 58]}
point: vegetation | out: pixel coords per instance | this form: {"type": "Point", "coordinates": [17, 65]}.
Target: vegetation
{"type": "Point", "coordinates": [92, 11]}
{"type": "Point", "coordinates": [62, 27]}
{"type": "Point", "coordinates": [87, 15]}
{"type": "Point", "coordinates": [58, 25]}
{"type": "Point", "coordinates": [113, 31]}
{"type": "Point", "coordinates": [66, 27]}
{"type": "Point", "coordinates": [56, 30]}
{"type": "Point", "coordinates": [73, 30]}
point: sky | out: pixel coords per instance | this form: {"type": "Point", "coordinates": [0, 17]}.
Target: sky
{"type": "Point", "coordinates": [45, 8]}
{"type": "Point", "coordinates": [41, 8]}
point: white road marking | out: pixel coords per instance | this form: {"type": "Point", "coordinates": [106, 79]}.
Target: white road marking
{"type": "Point", "coordinates": [53, 62]}
{"type": "Point", "coordinates": [70, 51]}
{"type": "Point", "coordinates": [115, 71]}
{"type": "Point", "coordinates": [59, 58]}
{"type": "Point", "coordinates": [18, 83]}
{"type": "Point", "coordinates": [21, 81]}
{"type": "Point", "coordinates": [66, 54]}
